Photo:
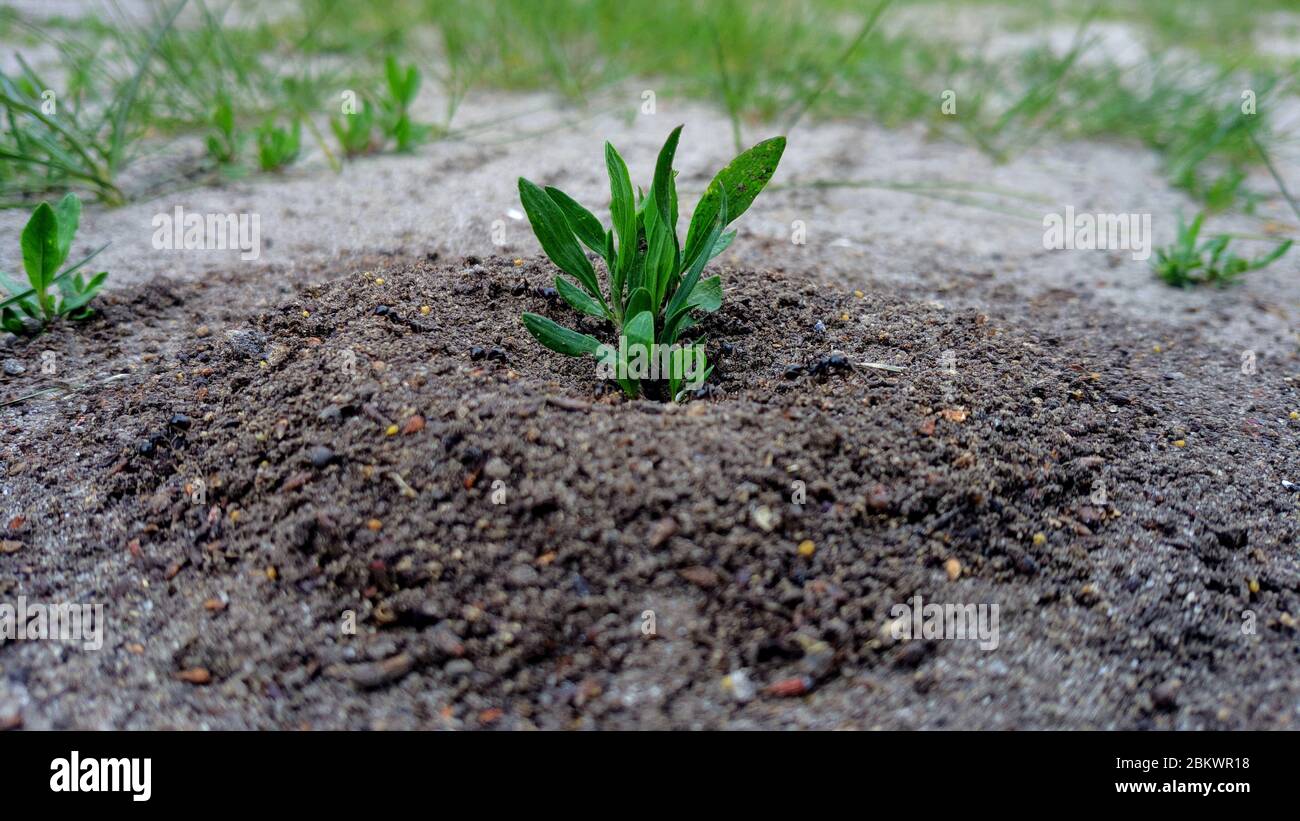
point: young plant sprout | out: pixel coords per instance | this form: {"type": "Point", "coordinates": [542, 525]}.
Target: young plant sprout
{"type": "Point", "coordinates": [403, 83]}
{"type": "Point", "coordinates": [653, 280]}
{"type": "Point", "coordinates": [224, 141]}
{"type": "Point", "coordinates": [277, 147]}
{"type": "Point", "coordinates": [1185, 264]}
{"type": "Point", "coordinates": [355, 131]}
{"type": "Point", "coordinates": [46, 241]}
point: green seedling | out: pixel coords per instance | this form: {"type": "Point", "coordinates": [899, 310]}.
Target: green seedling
{"type": "Point", "coordinates": [653, 280]}
{"type": "Point", "coordinates": [355, 132]}
{"type": "Point", "coordinates": [396, 123]}
{"type": "Point", "coordinates": [278, 147]}
{"type": "Point", "coordinates": [1186, 264]}
{"type": "Point", "coordinates": [224, 141]}
{"type": "Point", "coordinates": [46, 241]}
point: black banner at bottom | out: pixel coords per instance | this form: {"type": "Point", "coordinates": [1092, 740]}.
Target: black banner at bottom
{"type": "Point", "coordinates": [142, 772]}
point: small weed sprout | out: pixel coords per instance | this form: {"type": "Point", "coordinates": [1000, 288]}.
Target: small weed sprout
{"type": "Point", "coordinates": [391, 114]}
{"type": "Point", "coordinates": [224, 141]}
{"type": "Point", "coordinates": [396, 123]}
{"type": "Point", "coordinates": [46, 241]}
{"type": "Point", "coordinates": [1185, 264]}
{"type": "Point", "coordinates": [653, 280]}
{"type": "Point", "coordinates": [355, 132]}
{"type": "Point", "coordinates": [278, 147]}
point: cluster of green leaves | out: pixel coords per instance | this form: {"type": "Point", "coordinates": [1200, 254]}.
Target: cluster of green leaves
{"type": "Point", "coordinates": [46, 242]}
{"type": "Point", "coordinates": [1186, 263]}
{"type": "Point", "coordinates": [653, 280]}
{"type": "Point", "coordinates": [356, 131]}
{"type": "Point", "coordinates": [396, 122]}
{"type": "Point", "coordinates": [278, 147]}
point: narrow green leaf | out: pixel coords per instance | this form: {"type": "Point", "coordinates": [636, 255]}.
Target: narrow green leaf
{"type": "Point", "coordinates": [622, 209]}
{"type": "Point", "coordinates": [672, 202]}
{"type": "Point", "coordinates": [40, 242]}
{"type": "Point", "coordinates": [1277, 252]}
{"type": "Point", "coordinates": [723, 243]}
{"type": "Point", "coordinates": [579, 299]}
{"type": "Point", "coordinates": [583, 222]}
{"type": "Point", "coordinates": [741, 180]}
{"type": "Point", "coordinates": [687, 284]}
{"type": "Point", "coordinates": [663, 179]}
{"type": "Point", "coordinates": [676, 367]}
{"type": "Point", "coordinates": [87, 258]}
{"type": "Point", "coordinates": [660, 254]}
{"type": "Point", "coordinates": [636, 275]}
{"type": "Point", "coordinates": [556, 237]}
{"type": "Point", "coordinates": [559, 338]}
{"type": "Point", "coordinates": [394, 77]}
{"type": "Point", "coordinates": [68, 212]}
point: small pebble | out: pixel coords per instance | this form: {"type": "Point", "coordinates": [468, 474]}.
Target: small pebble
{"type": "Point", "coordinates": [738, 684]}
{"type": "Point", "coordinates": [320, 456]}
{"type": "Point", "coordinates": [1165, 695]}
{"type": "Point", "coordinates": [521, 575]}
{"type": "Point", "coordinates": [195, 675]}
{"type": "Point", "coordinates": [764, 518]}
{"type": "Point", "coordinates": [413, 425]}
{"type": "Point", "coordinates": [458, 667]}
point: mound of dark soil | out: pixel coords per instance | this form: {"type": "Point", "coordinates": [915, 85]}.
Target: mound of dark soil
{"type": "Point", "coordinates": [380, 503]}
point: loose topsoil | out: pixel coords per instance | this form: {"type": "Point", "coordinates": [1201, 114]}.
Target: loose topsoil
{"type": "Point", "coordinates": [331, 507]}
